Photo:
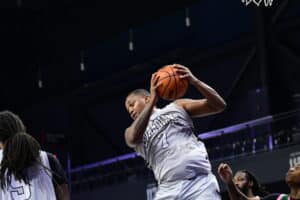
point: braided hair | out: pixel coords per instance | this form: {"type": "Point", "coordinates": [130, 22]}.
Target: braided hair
{"type": "Point", "coordinates": [20, 149]}
{"type": "Point", "coordinates": [257, 189]}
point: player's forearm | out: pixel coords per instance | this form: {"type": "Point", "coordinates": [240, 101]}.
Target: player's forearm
{"type": "Point", "coordinates": [135, 132]}
{"type": "Point", "coordinates": [232, 191]}
{"type": "Point", "coordinates": [62, 192]}
{"type": "Point", "coordinates": [213, 98]}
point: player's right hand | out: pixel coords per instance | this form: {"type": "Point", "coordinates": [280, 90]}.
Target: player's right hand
{"type": "Point", "coordinates": [153, 87]}
{"type": "Point", "coordinates": [225, 172]}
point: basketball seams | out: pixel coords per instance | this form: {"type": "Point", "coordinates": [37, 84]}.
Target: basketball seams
{"type": "Point", "coordinates": [167, 85]}
{"type": "Point", "coordinates": [176, 87]}
{"type": "Point", "coordinates": [164, 77]}
{"type": "Point", "coordinates": [171, 88]}
{"type": "Point", "coordinates": [167, 72]}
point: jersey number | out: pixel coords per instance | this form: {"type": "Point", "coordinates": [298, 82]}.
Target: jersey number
{"type": "Point", "coordinates": [165, 143]}
{"type": "Point", "coordinates": [20, 191]}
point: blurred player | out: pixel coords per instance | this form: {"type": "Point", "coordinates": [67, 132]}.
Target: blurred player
{"type": "Point", "coordinates": [27, 172]}
{"type": "Point", "coordinates": [292, 179]}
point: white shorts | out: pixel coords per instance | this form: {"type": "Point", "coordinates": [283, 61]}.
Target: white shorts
{"type": "Point", "coordinates": [204, 187]}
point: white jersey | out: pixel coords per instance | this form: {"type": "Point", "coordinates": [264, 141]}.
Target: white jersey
{"type": "Point", "coordinates": [170, 146]}
{"type": "Point", "coordinates": [40, 187]}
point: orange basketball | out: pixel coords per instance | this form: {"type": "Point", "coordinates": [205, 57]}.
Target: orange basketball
{"type": "Point", "coordinates": [172, 86]}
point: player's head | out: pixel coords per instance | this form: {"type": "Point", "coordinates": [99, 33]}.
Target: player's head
{"type": "Point", "coordinates": [246, 182]}
{"type": "Point", "coordinates": [136, 101]}
{"type": "Point", "coordinates": [20, 149]}
{"type": "Point", "coordinates": [293, 176]}
{"type": "Point", "coordinates": [10, 124]}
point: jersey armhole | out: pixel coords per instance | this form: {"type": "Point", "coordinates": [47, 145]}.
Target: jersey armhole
{"type": "Point", "coordinates": [179, 108]}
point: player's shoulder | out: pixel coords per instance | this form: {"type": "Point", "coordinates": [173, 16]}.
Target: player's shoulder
{"type": "Point", "coordinates": [53, 160]}
{"type": "Point", "coordinates": [180, 103]}
{"type": "Point", "coordinates": [183, 101]}
{"type": "Point", "coordinates": [51, 156]}
{"type": "Point", "coordinates": [168, 107]}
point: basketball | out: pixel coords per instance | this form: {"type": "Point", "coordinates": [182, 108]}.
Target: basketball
{"type": "Point", "coordinates": [172, 86]}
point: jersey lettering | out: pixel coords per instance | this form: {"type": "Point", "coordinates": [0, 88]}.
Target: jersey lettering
{"type": "Point", "coordinates": [19, 191]}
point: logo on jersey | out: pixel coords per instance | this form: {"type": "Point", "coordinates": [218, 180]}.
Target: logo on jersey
{"type": "Point", "coordinates": [19, 190]}
{"type": "Point", "coordinates": [156, 126]}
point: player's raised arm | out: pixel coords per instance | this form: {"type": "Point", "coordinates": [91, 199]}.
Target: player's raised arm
{"type": "Point", "coordinates": [226, 175]}
{"type": "Point", "coordinates": [140, 109]}
{"type": "Point", "coordinates": [211, 104]}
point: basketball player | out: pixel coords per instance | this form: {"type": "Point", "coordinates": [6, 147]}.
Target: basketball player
{"type": "Point", "coordinates": [165, 139]}
{"type": "Point", "coordinates": [26, 172]}
{"type": "Point", "coordinates": [292, 179]}
{"type": "Point", "coordinates": [248, 184]}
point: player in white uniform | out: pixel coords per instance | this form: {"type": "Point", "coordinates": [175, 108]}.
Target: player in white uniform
{"type": "Point", "coordinates": [166, 140]}
{"type": "Point", "coordinates": [26, 172]}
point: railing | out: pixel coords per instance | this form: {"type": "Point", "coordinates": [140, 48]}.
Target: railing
{"type": "Point", "coordinates": [263, 134]}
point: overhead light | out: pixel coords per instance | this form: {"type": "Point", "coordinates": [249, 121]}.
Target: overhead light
{"type": "Point", "coordinates": [187, 17]}
{"type": "Point", "coordinates": [82, 68]}
{"type": "Point", "coordinates": [40, 83]}
{"type": "Point", "coordinates": [39, 77]}
{"type": "Point", "coordinates": [130, 45]}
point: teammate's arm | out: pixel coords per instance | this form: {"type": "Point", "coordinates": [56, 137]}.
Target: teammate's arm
{"type": "Point", "coordinates": [134, 133]}
{"type": "Point", "coordinates": [62, 192]}
{"type": "Point", "coordinates": [226, 175]}
{"type": "Point", "coordinates": [211, 104]}
{"type": "Point", "coordinates": [59, 178]}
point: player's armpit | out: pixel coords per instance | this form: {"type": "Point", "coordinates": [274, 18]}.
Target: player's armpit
{"type": "Point", "coordinates": [199, 107]}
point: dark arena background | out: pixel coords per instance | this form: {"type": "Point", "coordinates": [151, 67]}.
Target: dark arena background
{"type": "Point", "coordinates": [68, 65]}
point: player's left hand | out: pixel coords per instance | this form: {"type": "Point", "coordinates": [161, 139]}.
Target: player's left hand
{"type": "Point", "coordinates": [185, 73]}
{"type": "Point", "coordinates": [225, 172]}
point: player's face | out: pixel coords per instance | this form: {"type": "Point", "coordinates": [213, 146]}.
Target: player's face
{"type": "Point", "coordinates": [241, 181]}
{"type": "Point", "coordinates": [135, 105]}
{"type": "Point", "coordinates": [293, 175]}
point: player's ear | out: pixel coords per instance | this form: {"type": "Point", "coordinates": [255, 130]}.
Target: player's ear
{"type": "Point", "coordinates": [147, 99]}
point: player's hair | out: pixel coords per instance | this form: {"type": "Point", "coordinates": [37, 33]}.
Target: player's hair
{"type": "Point", "coordinates": [142, 92]}
{"type": "Point", "coordinates": [257, 189]}
{"type": "Point", "coordinates": [20, 149]}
